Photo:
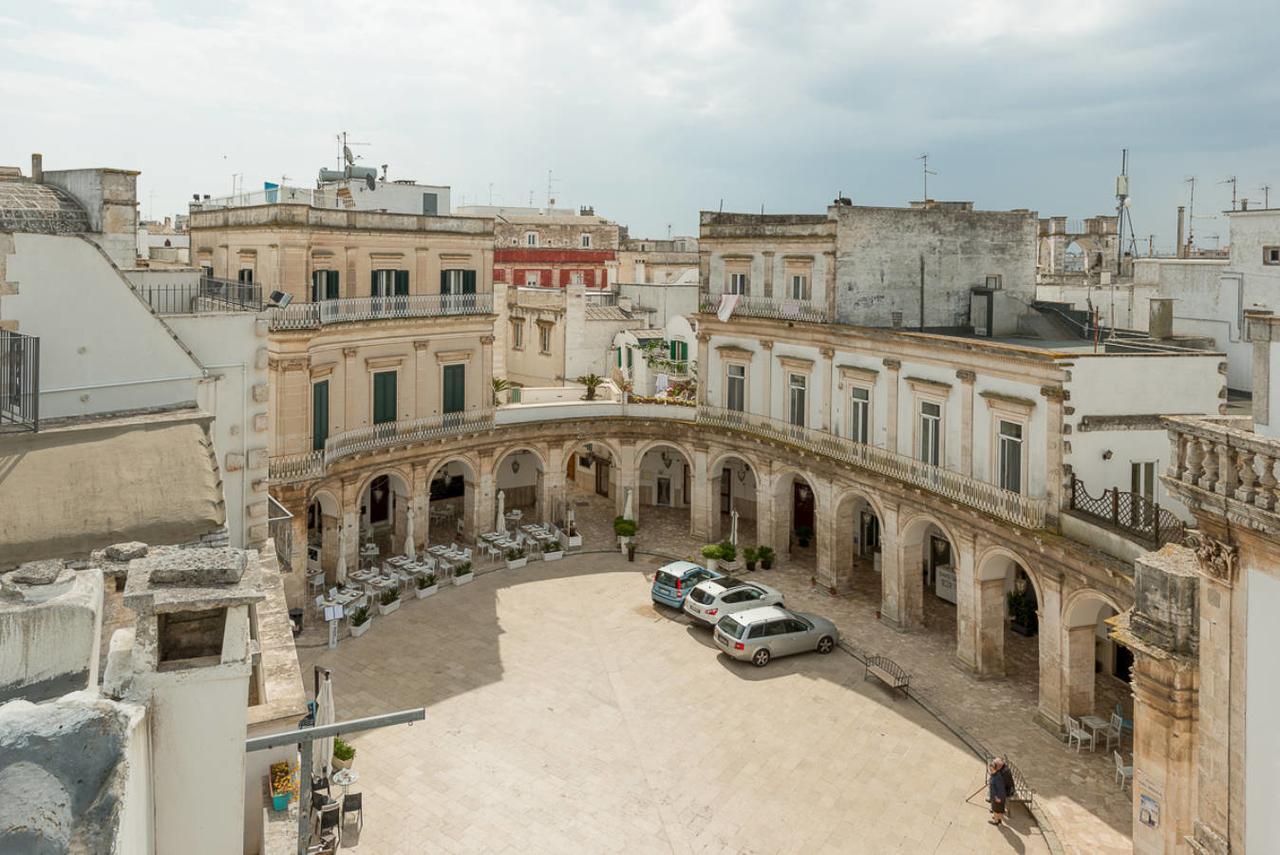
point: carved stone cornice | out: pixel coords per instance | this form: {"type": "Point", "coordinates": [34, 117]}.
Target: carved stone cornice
{"type": "Point", "coordinates": [1217, 559]}
{"type": "Point", "coordinates": [1053, 393]}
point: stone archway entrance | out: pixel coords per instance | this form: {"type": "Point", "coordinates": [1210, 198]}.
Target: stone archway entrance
{"type": "Point", "coordinates": [734, 488]}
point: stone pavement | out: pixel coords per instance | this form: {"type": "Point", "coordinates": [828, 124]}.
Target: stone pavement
{"type": "Point", "coordinates": [566, 713]}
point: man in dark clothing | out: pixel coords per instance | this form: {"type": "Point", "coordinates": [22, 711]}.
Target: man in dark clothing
{"type": "Point", "coordinates": [999, 788]}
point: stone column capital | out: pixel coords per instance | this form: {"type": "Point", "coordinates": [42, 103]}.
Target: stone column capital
{"type": "Point", "coordinates": [964, 375]}
{"type": "Point", "coordinates": [486, 340]}
{"type": "Point", "coordinates": [421, 345]}
{"type": "Point", "coordinates": [1054, 393]}
{"type": "Point", "coordinates": [892, 364]}
{"type": "Point", "coordinates": [766, 343]}
{"type": "Point", "coordinates": [350, 352]}
{"type": "Point", "coordinates": [827, 352]}
{"type": "Point", "coordinates": [1217, 559]}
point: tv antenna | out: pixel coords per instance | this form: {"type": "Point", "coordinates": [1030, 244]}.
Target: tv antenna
{"type": "Point", "coordinates": [1191, 214]}
{"type": "Point", "coordinates": [345, 157]}
{"type": "Point", "coordinates": [1231, 179]}
{"type": "Point", "coordinates": [924, 168]}
{"type": "Point", "coordinates": [1266, 195]}
{"type": "Point", "coordinates": [551, 202]}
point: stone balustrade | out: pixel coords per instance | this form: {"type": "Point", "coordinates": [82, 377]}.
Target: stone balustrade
{"type": "Point", "coordinates": [302, 316]}
{"type": "Point", "coordinates": [1224, 457]}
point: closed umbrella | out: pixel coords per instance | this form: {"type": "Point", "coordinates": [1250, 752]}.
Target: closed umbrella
{"type": "Point", "coordinates": [626, 508]}
{"type": "Point", "coordinates": [733, 529]}
{"type": "Point", "coordinates": [340, 573]}
{"type": "Point", "coordinates": [502, 506]}
{"type": "Point", "coordinates": [408, 540]}
{"type": "Point", "coordinates": [325, 714]}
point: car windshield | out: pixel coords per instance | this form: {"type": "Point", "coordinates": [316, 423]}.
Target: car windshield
{"type": "Point", "coordinates": [731, 627]}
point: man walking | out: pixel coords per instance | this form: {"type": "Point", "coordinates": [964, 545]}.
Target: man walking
{"type": "Point", "coordinates": [999, 788]}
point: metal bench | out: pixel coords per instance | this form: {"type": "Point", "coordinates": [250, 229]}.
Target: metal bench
{"type": "Point", "coordinates": [888, 672]}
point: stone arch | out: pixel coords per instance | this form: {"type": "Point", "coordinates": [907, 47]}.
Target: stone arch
{"type": "Point", "coordinates": [859, 517]}
{"type": "Point", "coordinates": [795, 510]}
{"type": "Point", "coordinates": [522, 491]}
{"type": "Point", "coordinates": [382, 519]}
{"type": "Point", "coordinates": [920, 557]}
{"type": "Point", "coordinates": [324, 520]}
{"type": "Point", "coordinates": [444, 514]}
{"type": "Point", "coordinates": [646, 446]}
{"type": "Point", "coordinates": [1084, 641]}
{"type": "Point", "coordinates": [505, 451]}
{"type": "Point", "coordinates": [662, 486]}
{"type": "Point", "coordinates": [571, 445]}
{"type": "Point", "coordinates": [743, 495]}
{"type": "Point", "coordinates": [1003, 639]}
{"type": "Point", "coordinates": [384, 469]}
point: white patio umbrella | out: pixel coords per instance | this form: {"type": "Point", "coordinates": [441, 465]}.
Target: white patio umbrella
{"type": "Point", "coordinates": [733, 528]}
{"type": "Point", "coordinates": [408, 540]}
{"type": "Point", "coordinates": [340, 573]}
{"type": "Point", "coordinates": [502, 506]}
{"type": "Point", "coordinates": [626, 508]}
{"type": "Point", "coordinates": [323, 748]}
{"type": "Point", "coordinates": [568, 518]}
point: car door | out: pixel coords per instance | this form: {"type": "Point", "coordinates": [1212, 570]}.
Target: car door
{"type": "Point", "coordinates": [799, 638]}
{"type": "Point", "coordinates": [761, 597]}
{"type": "Point", "coordinates": [734, 601]}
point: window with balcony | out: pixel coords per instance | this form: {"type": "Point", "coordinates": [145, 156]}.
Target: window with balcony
{"type": "Point", "coordinates": [245, 276]}
{"type": "Point", "coordinates": [796, 387]}
{"type": "Point", "coordinates": [532, 279]}
{"type": "Point", "coordinates": [456, 281]}
{"type": "Point", "coordinates": [453, 388]}
{"type": "Point", "coordinates": [798, 287]}
{"type": "Point", "coordinates": [929, 434]}
{"type": "Point", "coordinates": [860, 414]}
{"type": "Point", "coordinates": [1009, 456]}
{"type": "Point", "coordinates": [736, 388]}
{"type": "Point", "coordinates": [389, 283]}
{"type": "Point", "coordinates": [737, 283]}
{"type": "Point", "coordinates": [576, 278]}
{"type": "Point", "coordinates": [319, 414]}
{"type": "Point", "coordinates": [384, 397]}
{"type": "Point", "coordinates": [324, 285]}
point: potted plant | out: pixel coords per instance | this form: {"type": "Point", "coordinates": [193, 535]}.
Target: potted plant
{"type": "Point", "coordinates": [625, 529]}
{"type": "Point", "coordinates": [284, 785]}
{"type": "Point", "coordinates": [728, 556]}
{"type": "Point", "coordinates": [575, 537]}
{"type": "Point", "coordinates": [499, 386]}
{"type": "Point", "coordinates": [344, 753]}
{"type": "Point", "coordinates": [554, 552]}
{"type": "Point", "coordinates": [750, 555]}
{"type": "Point", "coordinates": [1022, 614]}
{"type": "Point", "coordinates": [516, 558]}
{"type": "Point", "coordinates": [425, 585]}
{"type": "Point", "coordinates": [388, 601]}
{"type": "Point", "coordinates": [592, 382]}
{"type": "Point", "coordinates": [361, 620]}
{"type": "Point", "coordinates": [765, 554]}
{"type": "Point", "coordinates": [803, 535]}
{"type": "Point", "coordinates": [631, 550]}
{"type": "Point", "coordinates": [711, 552]}
{"type": "Point", "coordinates": [462, 573]}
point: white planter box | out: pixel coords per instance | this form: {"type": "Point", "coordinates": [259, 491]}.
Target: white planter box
{"type": "Point", "coordinates": [357, 631]}
{"type": "Point", "coordinates": [423, 593]}
{"type": "Point", "coordinates": [575, 540]}
{"type": "Point", "coordinates": [712, 564]}
{"type": "Point", "coordinates": [464, 580]}
{"type": "Point", "coordinates": [553, 556]}
{"type": "Point", "coordinates": [386, 610]}
{"type": "Point", "coordinates": [517, 563]}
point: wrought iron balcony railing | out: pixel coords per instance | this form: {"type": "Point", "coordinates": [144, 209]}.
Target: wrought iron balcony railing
{"type": "Point", "coordinates": [19, 381]}
{"type": "Point", "coordinates": [1026, 511]}
{"type": "Point", "coordinates": [204, 296]}
{"type": "Point", "coordinates": [302, 316]}
{"type": "Point", "coordinates": [1130, 512]}
{"type": "Point", "coordinates": [768, 307]}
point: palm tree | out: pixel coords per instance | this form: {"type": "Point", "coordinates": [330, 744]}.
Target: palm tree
{"type": "Point", "coordinates": [499, 386]}
{"type": "Point", "coordinates": [592, 382]}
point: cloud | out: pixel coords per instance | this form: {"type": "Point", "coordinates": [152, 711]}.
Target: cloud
{"type": "Point", "coordinates": [651, 111]}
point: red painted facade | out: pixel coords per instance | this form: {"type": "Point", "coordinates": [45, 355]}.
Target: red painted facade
{"type": "Point", "coordinates": [552, 267]}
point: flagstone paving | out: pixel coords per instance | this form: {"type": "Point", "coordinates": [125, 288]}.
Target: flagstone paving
{"type": "Point", "coordinates": [566, 713]}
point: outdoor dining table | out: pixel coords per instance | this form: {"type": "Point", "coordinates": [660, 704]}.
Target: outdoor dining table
{"type": "Point", "coordinates": [1095, 724]}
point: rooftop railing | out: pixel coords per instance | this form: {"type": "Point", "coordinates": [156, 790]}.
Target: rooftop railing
{"type": "Point", "coordinates": [19, 381]}
{"type": "Point", "coordinates": [304, 316]}
{"type": "Point", "coordinates": [1132, 513]}
{"type": "Point", "coordinates": [767, 307]}
{"type": "Point", "coordinates": [203, 296]}
{"type": "Point", "coordinates": [1026, 511]}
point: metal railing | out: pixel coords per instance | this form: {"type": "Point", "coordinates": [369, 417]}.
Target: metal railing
{"type": "Point", "coordinates": [206, 295]}
{"type": "Point", "coordinates": [280, 525]}
{"type": "Point", "coordinates": [769, 307]}
{"type": "Point", "coordinates": [19, 381]}
{"type": "Point", "coordinates": [1130, 512]}
{"type": "Point", "coordinates": [1026, 511]}
{"type": "Point", "coordinates": [301, 316]}
{"type": "Point", "coordinates": [600, 298]}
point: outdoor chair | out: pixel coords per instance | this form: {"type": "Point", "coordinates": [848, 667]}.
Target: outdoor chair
{"type": "Point", "coordinates": [319, 783]}
{"type": "Point", "coordinates": [351, 804]}
{"type": "Point", "coordinates": [327, 846]}
{"type": "Point", "coordinates": [1078, 734]}
{"type": "Point", "coordinates": [1126, 724]}
{"type": "Point", "coordinates": [1115, 731]}
{"type": "Point", "coordinates": [1124, 774]}
{"type": "Point", "coordinates": [330, 820]}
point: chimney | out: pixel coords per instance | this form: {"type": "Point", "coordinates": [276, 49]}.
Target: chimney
{"type": "Point", "coordinates": [1182, 217]}
{"type": "Point", "coordinates": [37, 168]}
{"type": "Point", "coordinates": [1160, 318]}
{"type": "Point", "coordinates": [1244, 204]}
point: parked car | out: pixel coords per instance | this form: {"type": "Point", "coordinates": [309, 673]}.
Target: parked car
{"type": "Point", "coordinates": [673, 582]}
{"type": "Point", "coordinates": [713, 599]}
{"type": "Point", "coordinates": [761, 634]}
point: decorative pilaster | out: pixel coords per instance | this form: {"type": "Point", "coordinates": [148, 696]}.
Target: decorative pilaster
{"type": "Point", "coordinates": [893, 368]}
{"type": "Point", "coordinates": [352, 390]}
{"type": "Point", "coordinates": [1055, 474]}
{"type": "Point", "coordinates": [486, 372]}
{"type": "Point", "coordinates": [966, 378]}
{"type": "Point", "coordinates": [828, 354]}
{"type": "Point", "coordinates": [704, 367]}
{"type": "Point", "coordinates": [766, 352]}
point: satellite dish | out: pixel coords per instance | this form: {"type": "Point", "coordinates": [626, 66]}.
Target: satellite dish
{"type": "Point", "coordinates": [348, 156]}
{"type": "Point", "coordinates": [371, 181]}
{"type": "Point", "coordinates": [280, 298]}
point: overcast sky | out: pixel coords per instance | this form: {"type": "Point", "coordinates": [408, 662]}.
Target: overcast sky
{"type": "Point", "coordinates": [651, 111]}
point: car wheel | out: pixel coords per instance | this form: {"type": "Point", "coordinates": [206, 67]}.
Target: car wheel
{"type": "Point", "coordinates": [760, 658]}
{"type": "Point", "coordinates": [826, 644]}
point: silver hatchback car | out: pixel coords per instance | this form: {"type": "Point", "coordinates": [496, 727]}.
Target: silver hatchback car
{"type": "Point", "coordinates": [713, 599]}
{"type": "Point", "coordinates": [758, 635]}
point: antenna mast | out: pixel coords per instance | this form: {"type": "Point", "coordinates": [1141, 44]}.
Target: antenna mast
{"type": "Point", "coordinates": [924, 166]}
{"type": "Point", "coordinates": [1191, 215]}
{"type": "Point", "coordinates": [1231, 179]}
{"type": "Point", "coordinates": [1266, 195]}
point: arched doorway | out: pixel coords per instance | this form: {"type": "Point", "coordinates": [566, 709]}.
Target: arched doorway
{"type": "Point", "coordinates": [324, 521]}
{"type": "Point", "coordinates": [859, 560]}
{"type": "Point", "coordinates": [734, 488]}
{"type": "Point", "coordinates": [928, 594]}
{"type": "Point", "coordinates": [1090, 661]}
{"type": "Point", "coordinates": [1007, 611]}
{"type": "Point", "coordinates": [664, 490]}
{"type": "Point", "coordinates": [451, 503]}
{"type": "Point", "coordinates": [518, 477]}
{"type": "Point", "coordinates": [589, 501]}
{"type": "Point", "coordinates": [384, 508]}
{"type": "Point", "coordinates": [795, 507]}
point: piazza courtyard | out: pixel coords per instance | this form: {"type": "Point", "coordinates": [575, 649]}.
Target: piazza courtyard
{"type": "Point", "coordinates": [566, 712]}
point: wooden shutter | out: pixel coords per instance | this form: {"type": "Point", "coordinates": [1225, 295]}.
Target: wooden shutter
{"type": "Point", "coordinates": [384, 397]}
{"type": "Point", "coordinates": [455, 388]}
{"type": "Point", "coordinates": [319, 414]}
{"type": "Point", "coordinates": [468, 282]}
{"type": "Point", "coordinates": [331, 285]}
{"type": "Point", "coordinates": [444, 281]}
{"type": "Point", "coordinates": [402, 283]}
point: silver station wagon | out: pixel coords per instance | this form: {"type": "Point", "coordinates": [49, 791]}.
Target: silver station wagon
{"type": "Point", "coordinates": [759, 635]}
